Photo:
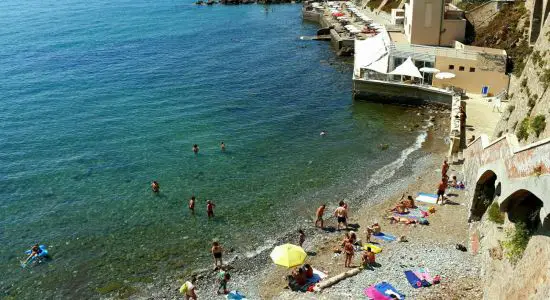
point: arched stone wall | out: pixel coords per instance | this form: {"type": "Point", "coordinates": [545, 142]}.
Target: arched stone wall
{"type": "Point", "coordinates": [484, 195]}
{"type": "Point", "coordinates": [523, 206]}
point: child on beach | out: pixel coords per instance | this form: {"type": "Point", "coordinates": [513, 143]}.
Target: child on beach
{"type": "Point", "coordinates": [192, 205]}
{"type": "Point", "coordinates": [368, 258]}
{"type": "Point", "coordinates": [210, 208]}
{"type": "Point", "coordinates": [223, 279]}
{"type": "Point", "coordinates": [348, 250]}
{"type": "Point", "coordinates": [444, 168]}
{"type": "Point", "coordinates": [217, 251]}
{"type": "Point", "coordinates": [442, 186]}
{"type": "Point", "coordinates": [302, 237]}
{"type": "Point", "coordinates": [188, 289]}
{"type": "Point", "coordinates": [319, 214]}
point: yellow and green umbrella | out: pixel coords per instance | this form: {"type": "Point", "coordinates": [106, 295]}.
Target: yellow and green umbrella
{"type": "Point", "coordinates": [288, 255]}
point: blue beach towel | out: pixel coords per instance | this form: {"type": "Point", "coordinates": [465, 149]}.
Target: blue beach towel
{"type": "Point", "coordinates": [387, 289]}
{"type": "Point", "coordinates": [427, 198]}
{"type": "Point", "coordinates": [413, 279]}
{"type": "Point", "coordinates": [385, 237]}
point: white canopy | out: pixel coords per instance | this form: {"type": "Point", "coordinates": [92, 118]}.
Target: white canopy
{"type": "Point", "coordinates": [407, 69]}
{"type": "Point", "coordinates": [372, 54]}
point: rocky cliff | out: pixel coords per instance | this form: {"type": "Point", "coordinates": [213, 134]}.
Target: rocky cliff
{"type": "Point", "coordinates": [528, 111]}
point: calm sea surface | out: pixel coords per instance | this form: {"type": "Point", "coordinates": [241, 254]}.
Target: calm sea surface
{"type": "Point", "coordinates": [98, 98]}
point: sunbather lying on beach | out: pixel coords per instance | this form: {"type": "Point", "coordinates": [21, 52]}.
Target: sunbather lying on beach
{"type": "Point", "coordinates": [400, 208]}
{"type": "Point", "coordinates": [394, 219]}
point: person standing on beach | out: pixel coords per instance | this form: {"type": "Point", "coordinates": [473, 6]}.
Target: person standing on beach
{"type": "Point", "coordinates": [223, 279]}
{"type": "Point", "coordinates": [222, 146]}
{"type": "Point", "coordinates": [348, 251]}
{"type": "Point", "coordinates": [196, 149]}
{"type": "Point", "coordinates": [210, 208]}
{"type": "Point", "coordinates": [341, 215]}
{"type": "Point", "coordinates": [319, 215]}
{"type": "Point", "coordinates": [441, 190]}
{"type": "Point", "coordinates": [192, 205]}
{"type": "Point", "coordinates": [155, 187]}
{"type": "Point", "coordinates": [444, 168]}
{"type": "Point", "coordinates": [302, 237]}
{"type": "Point", "coordinates": [217, 251]}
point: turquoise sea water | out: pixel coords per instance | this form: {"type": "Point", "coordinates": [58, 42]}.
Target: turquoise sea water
{"type": "Point", "coordinates": [98, 98]}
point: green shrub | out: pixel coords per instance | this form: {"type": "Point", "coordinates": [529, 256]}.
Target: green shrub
{"type": "Point", "coordinates": [538, 124]}
{"type": "Point", "coordinates": [495, 215]}
{"type": "Point", "coordinates": [516, 242]}
{"type": "Point", "coordinates": [522, 132]}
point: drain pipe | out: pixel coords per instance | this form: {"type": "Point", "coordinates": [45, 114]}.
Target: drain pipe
{"type": "Point", "coordinates": [441, 22]}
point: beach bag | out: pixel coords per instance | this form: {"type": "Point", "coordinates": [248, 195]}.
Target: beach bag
{"type": "Point", "coordinates": [423, 221]}
{"type": "Point", "coordinates": [431, 210]}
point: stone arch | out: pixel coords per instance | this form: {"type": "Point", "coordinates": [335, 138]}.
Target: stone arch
{"type": "Point", "coordinates": [523, 206]}
{"type": "Point", "coordinates": [484, 195]}
{"type": "Point", "coordinates": [536, 21]}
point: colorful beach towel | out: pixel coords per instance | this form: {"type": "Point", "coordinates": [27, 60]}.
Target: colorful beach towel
{"type": "Point", "coordinates": [235, 295]}
{"type": "Point", "coordinates": [374, 294]}
{"type": "Point", "coordinates": [414, 213]}
{"type": "Point", "coordinates": [426, 198]}
{"type": "Point", "coordinates": [385, 237]}
{"type": "Point", "coordinates": [388, 290]}
{"type": "Point", "coordinates": [422, 277]}
{"type": "Point", "coordinates": [317, 276]}
{"type": "Point", "coordinates": [414, 281]}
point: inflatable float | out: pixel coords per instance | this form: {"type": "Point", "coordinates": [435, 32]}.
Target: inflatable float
{"type": "Point", "coordinates": [43, 253]}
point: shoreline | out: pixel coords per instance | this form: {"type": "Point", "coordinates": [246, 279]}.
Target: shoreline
{"type": "Point", "coordinates": [257, 277]}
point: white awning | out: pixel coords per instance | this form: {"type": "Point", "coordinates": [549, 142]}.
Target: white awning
{"type": "Point", "coordinates": [407, 69]}
{"type": "Point", "coordinates": [372, 54]}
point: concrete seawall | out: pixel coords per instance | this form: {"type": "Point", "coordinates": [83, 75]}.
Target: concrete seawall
{"type": "Point", "coordinates": [381, 91]}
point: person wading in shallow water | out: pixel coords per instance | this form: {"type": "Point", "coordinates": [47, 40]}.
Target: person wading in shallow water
{"type": "Point", "coordinates": [192, 205]}
{"type": "Point", "coordinates": [196, 149]}
{"type": "Point", "coordinates": [222, 146]}
{"type": "Point", "coordinates": [155, 187]}
{"type": "Point", "coordinates": [210, 208]}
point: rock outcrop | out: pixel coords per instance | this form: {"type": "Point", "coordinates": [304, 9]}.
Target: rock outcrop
{"type": "Point", "coordinates": [529, 96]}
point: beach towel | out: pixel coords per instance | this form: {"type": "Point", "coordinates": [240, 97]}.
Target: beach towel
{"type": "Point", "coordinates": [317, 276]}
{"type": "Point", "coordinates": [374, 294]}
{"type": "Point", "coordinates": [425, 275]}
{"type": "Point", "coordinates": [426, 198]}
{"type": "Point", "coordinates": [374, 248]}
{"type": "Point", "coordinates": [413, 279]}
{"type": "Point", "coordinates": [387, 289]}
{"type": "Point", "coordinates": [414, 213]}
{"type": "Point", "coordinates": [385, 237]}
{"type": "Point", "coordinates": [421, 275]}
{"type": "Point", "coordinates": [235, 295]}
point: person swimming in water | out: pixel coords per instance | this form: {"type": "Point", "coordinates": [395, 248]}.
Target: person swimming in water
{"type": "Point", "coordinates": [323, 133]}
{"type": "Point", "coordinates": [222, 146]}
{"type": "Point", "coordinates": [196, 149]}
{"type": "Point", "coordinates": [35, 251]}
{"type": "Point", "coordinates": [155, 186]}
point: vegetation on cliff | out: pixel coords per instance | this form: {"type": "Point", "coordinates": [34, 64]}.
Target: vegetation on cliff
{"type": "Point", "coordinates": [516, 241]}
{"type": "Point", "coordinates": [495, 215]}
{"type": "Point", "coordinates": [508, 30]}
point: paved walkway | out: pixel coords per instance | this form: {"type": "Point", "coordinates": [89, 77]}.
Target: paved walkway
{"type": "Point", "coordinates": [481, 118]}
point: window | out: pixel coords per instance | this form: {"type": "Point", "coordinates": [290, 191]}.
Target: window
{"type": "Point", "coordinates": [461, 68]}
{"type": "Point", "coordinates": [451, 67]}
{"type": "Point", "coordinates": [472, 69]}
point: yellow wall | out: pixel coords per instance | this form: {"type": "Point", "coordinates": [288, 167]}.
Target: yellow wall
{"type": "Point", "coordinates": [472, 82]}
